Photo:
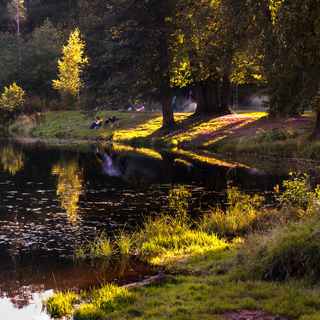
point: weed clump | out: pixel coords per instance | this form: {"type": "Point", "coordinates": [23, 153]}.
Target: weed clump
{"type": "Point", "coordinates": [61, 304]}
{"type": "Point", "coordinates": [241, 212]}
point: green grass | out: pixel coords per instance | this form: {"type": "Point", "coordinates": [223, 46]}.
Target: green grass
{"type": "Point", "coordinates": [208, 288]}
{"type": "Point", "coordinates": [61, 304]}
{"type": "Point", "coordinates": [143, 129]}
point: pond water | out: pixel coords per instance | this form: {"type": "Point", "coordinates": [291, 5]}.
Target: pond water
{"type": "Point", "coordinates": [53, 196]}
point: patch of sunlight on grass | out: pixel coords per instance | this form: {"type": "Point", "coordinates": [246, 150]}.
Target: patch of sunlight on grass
{"type": "Point", "coordinates": [121, 147]}
{"type": "Point", "coordinates": [183, 254]}
{"type": "Point", "coordinates": [149, 152]}
{"type": "Point", "coordinates": [249, 113]}
{"type": "Point", "coordinates": [213, 141]}
{"type": "Point", "coordinates": [183, 161]}
{"type": "Point", "coordinates": [142, 130]}
{"type": "Point", "coordinates": [207, 158]}
{"type": "Point", "coordinates": [217, 124]}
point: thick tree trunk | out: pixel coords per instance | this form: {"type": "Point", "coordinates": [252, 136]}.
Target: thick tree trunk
{"type": "Point", "coordinates": [212, 96]}
{"type": "Point", "coordinates": [200, 98]}
{"type": "Point", "coordinates": [316, 130]}
{"type": "Point", "coordinates": [225, 96]}
{"type": "Point", "coordinates": [166, 96]}
{"type": "Point", "coordinates": [206, 96]}
{"type": "Point", "coordinates": [167, 110]}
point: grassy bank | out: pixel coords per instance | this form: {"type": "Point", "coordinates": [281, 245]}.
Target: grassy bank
{"type": "Point", "coordinates": [243, 133]}
{"type": "Point", "coordinates": [269, 263]}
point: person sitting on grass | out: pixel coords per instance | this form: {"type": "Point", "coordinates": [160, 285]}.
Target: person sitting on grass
{"type": "Point", "coordinates": [96, 123]}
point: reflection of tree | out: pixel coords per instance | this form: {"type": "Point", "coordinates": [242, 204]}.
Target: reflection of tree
{"type": "Point", "coordinates": [69, 186]}
{"type": "Point", "coordinates": [11, 158]}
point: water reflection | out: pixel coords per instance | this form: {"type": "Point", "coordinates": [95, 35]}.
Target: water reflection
{"type": "Point", "coordinates": [12, 158]}
{"type": "Point", "coordinates": [69, 188]}
{"type": "Point", "coordinates": [111, 162]}
{"type": "Point", "coordinates": [53, 197]}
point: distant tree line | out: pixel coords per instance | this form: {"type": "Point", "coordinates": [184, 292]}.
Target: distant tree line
{"type": "Point", "coordinates": [137, 48]}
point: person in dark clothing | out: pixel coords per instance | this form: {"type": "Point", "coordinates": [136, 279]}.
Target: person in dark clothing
{"type": "Point", "coordinates": [96, 124]}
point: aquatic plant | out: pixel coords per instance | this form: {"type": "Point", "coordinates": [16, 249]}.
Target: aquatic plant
{"type": "Point", "coordinates": [124, 242]}
{"type": "Point", "coordinates": [178, 200]}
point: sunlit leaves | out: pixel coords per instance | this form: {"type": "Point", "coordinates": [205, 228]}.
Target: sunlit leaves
{"type": "Point", "coordinates": [274, 6]}
{"type": "Point", "coordinates": [12, 99]}
{"type": "Point", "coordinates": [71, 66]}
{"type": "Point", "coordinates": [69, 186]}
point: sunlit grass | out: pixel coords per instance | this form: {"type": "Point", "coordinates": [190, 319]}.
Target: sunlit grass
{"type": "Point", "coordinates": [61, 304]}
{"type": "Point", "coordinates": [140, 131]}
{"type": "Point", "coordinates": [150, 153]}
{"type": "Point", "coordinates": [206, 158]}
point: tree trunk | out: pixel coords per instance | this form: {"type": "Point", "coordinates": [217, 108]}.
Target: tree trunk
{"type": "Point", "coordinates": [167, 110]}
{"type": "Point", "coordinates": [206, 96]}
{"type": "Point", "coordinates": [225, 96]}
{"type": "Point", "coordinates": [201, 102]}
{"type": "Point", "coordinates": [316, 130]}
{"type": "Point", "coordinates": [166, 96]}
{"type": "Point", "coordinates": [212, 98]}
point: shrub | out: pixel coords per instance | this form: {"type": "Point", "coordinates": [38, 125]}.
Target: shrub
{"type": "Point", "coordinates": [11, 101]}
{"type": "Point", "coordinates": [298, 192]}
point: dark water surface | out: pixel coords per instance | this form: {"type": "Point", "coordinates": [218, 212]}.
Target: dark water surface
{"type": "Point", "coordinates": [54, 196]}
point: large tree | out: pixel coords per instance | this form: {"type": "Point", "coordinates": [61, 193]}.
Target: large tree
{"type": "Point", "coordinates": [287, 43]}
{"type": "Point", "coordinates": [43, 49]}
{"type": "Point", "coordinates": [132, 57]}
{"type": "Point", "coordinates": [209, 41]}
{"type": "Point", "coordinates": [9, 59]}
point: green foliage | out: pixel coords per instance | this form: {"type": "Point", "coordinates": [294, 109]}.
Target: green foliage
{"type": "Point", "coordinates": [70, 66]}
{"type": "Point", "coordinates": [9, 59]}
{"type": "Point", "coordinates": [240, 213]}
{"type": "Point", "coordinates": [100, 247]}
{"type": "Point", "coordinates": [61, 304]}
{"type": "Point", "coordinates": [43, 49]}
{"type": "Point", "coordinates": [298, 192]}
{"type": "Point", "coordinates": [275, 135]}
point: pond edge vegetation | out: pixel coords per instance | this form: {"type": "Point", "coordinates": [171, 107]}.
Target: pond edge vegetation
{"type": "Point", "coordinates": [263, 258]}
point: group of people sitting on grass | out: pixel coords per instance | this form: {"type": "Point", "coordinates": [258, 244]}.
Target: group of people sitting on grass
{"type": "Point", "coordinates": [98, 122]}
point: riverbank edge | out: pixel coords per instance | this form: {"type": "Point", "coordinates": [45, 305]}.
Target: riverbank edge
{"type": "Point", "coordinates": [239, 134]}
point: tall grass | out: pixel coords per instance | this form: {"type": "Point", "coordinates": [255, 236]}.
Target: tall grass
{"type": "Point", "coordinates": [238, 217]}
{"type": "Point", "coordinates": [284, 253]}
{"type": "Point", "coordinates": [100, 247]}
{"type": "Point", "coordinates": [291, 250]}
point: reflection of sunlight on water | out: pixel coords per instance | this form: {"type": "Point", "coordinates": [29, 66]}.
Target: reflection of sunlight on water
{"type": "Point", "coordinates": [33, 310]}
